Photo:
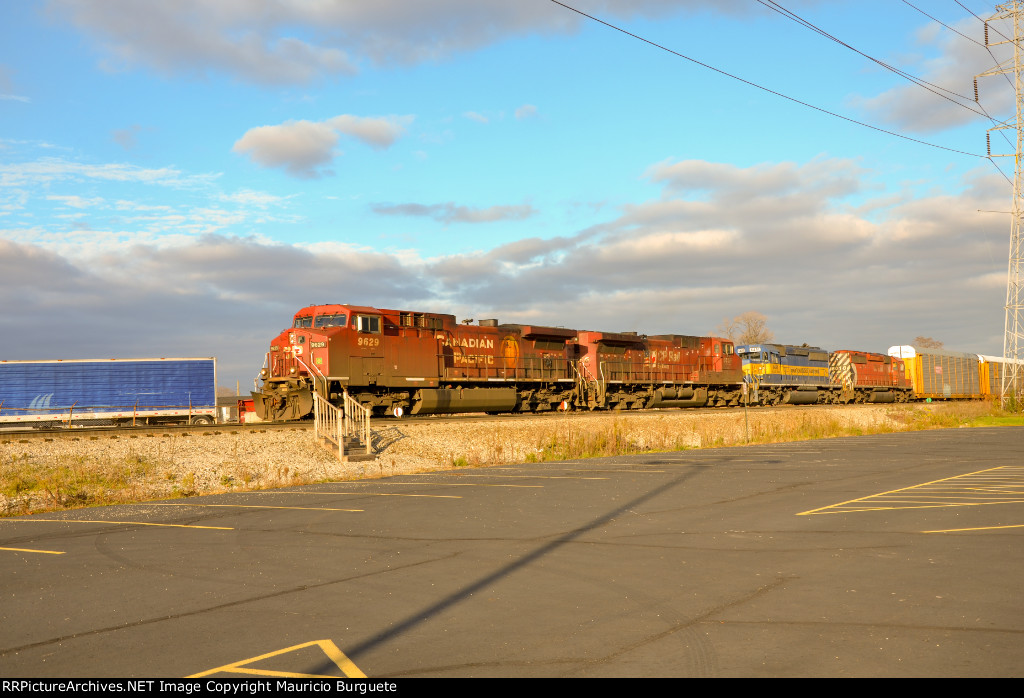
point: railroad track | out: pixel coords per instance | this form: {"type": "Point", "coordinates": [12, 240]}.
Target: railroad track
{"type": "Point", "coordinates": [115, 432]}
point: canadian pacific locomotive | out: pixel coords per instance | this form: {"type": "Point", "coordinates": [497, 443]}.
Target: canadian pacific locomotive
{"type": "Point", "coordinates": [401, 362]}
{"type": "Point", "coordinates": [398, 362]}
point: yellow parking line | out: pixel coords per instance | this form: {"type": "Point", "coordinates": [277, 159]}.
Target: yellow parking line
{"type": "Point", "coordinates": [243, 506]}
{"type": "Point", "coordinates": [531, 477]}
{"type": "Point", "coordinates": [979, 528]}
{"type": "Point", "coordinates": [948, 485]}
{"type": "Point", "coordinates": [459, 484]}
{"type": "Point", "coordinates": [122, 523]}
{"type": "Point", "coordinates": [344, 664]}
{"type": "Point", "coordinates": [594, 470]}
{"type": "Point", "coordinates": [371, 494]}
{"type": "Point", "coordinates": [29, 550]}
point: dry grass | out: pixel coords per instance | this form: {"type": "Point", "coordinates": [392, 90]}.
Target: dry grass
{"type": "Point", "coordinates": [621, 435]}
{"type": "Point", "coordinates": [41, 477]}
{"type": "Point", "coordinates": [69, 474]}
{"type": "Point", "coordinates": [66, 482]}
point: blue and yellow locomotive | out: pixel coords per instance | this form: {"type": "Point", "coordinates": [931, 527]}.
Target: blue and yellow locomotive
{"type": "Point", "coordinates": [778, 374]}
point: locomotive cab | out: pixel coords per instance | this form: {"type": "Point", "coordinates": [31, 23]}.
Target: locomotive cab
{"type": "Point", "coordinates": [298, 363]}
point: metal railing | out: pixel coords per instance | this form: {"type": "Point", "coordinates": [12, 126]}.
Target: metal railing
{"type": "Point", "coordinates": [334, 425]}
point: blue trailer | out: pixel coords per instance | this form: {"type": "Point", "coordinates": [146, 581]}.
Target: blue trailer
{"type": "Point", "coordinates": [108, 391]}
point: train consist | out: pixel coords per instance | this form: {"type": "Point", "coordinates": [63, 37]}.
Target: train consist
{"type": "Point", "coordinates": [401, 362]}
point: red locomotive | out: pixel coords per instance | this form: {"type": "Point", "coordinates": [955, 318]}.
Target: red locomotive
{"type": "Point", "coordinates": [397, 362]}
{"type": "Point", "coordinates": [868, 377]}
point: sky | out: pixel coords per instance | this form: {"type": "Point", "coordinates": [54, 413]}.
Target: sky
{"type": "Point", "coordinates": [178, 178]}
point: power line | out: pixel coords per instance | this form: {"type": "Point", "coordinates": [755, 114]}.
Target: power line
{"type": "Point", "coordinates": [766, 89]}
{"type": "Point", "coordinates": [985, 22]}
{"type": "Point", "coordinates": [984, 46]}
{"type": "Point", "coordinates": [776, 7]}
{"type": "Point", "coordinates": [944, 24]}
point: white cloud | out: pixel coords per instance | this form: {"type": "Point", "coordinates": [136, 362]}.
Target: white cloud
{"type": "Point", "coordinates": [76, 201]}
{"type": "Point", "coordinates": [254, 198]}
{"type": "Point", "coordinates": [527, 111]}
{"type": "Point", "coordinates": [46, 170]}
{"type": "Point", "coordinates": [477, 117]}
{"type": "Point", "coordinates": [952, 64]}
{"type": "Point", "coordinates": [451, 213]}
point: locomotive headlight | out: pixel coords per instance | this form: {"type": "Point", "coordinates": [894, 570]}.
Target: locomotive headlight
{"type": "Point", "coordinates": [263, 373]}
{"type": "Point", "coordinates": [294, 370]}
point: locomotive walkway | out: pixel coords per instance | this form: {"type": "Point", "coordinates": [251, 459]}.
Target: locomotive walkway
{"type": "Point", "coordinates": [888, 555]}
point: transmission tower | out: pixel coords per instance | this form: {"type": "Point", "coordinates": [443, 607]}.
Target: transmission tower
{"type": "Point", "coordinates": [1013, 339]}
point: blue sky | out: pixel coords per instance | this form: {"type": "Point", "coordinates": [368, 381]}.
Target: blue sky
{"type": "Point", "coordinates": [179, 178]}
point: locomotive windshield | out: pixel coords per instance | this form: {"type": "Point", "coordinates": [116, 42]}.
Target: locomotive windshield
{"type": "Point", "coordinates": [306, 321]}
{"type": "Point", "coordinates": [330, 320]}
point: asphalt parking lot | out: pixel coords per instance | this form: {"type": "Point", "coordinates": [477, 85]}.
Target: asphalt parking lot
{"type": "Point", "coordinates": [887, 555]}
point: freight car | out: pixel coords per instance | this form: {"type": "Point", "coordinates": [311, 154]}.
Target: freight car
{"type": "Point", "coordinates": [398, 362]}
{"type": "Point", "coordinates": [938, 374]}
{"type": "Point", "coordinates": [108, 391]}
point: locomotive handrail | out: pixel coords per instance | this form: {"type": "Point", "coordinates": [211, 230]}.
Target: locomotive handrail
{"type": "Point", "coordinates": [334, 425]}
{"type": "Point", "coordinates": [356, 420]}
{"type": "Point", "coordinates": [314, 372]}
{"type": "Point", "coordinates": [327, 425]}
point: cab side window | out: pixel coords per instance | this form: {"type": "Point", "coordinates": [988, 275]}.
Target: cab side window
{"type": "Point", "coordinates": [368, 323]}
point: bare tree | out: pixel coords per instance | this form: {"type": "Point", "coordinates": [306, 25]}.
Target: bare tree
{"type": "Point", "coordinates": [927, 343]}
{"type": "Point", "coordinates": [750, 327]}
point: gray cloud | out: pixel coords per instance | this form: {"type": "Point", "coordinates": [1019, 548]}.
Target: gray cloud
{"type": "Point", "coordinates": [127, 138]}
{"type": "Point", "coordinates": [376, 132]}
{"type": "Point", "coordinates": [452, 213]}
{"type": "Point", "coordinates": [7, 86]}
{"type": "Point", "coordinates": [194, 36]}
{"type": "Point", "coordinates": [678, 262]}
{"type": "Point", "coordinates": [254, 41]}
{"type": "Point", "coordinates": [303, 148]}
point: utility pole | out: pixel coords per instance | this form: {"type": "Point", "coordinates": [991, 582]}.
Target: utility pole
{"type": "Point", "coordinates": [1013, 338]}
